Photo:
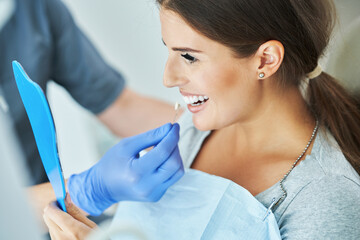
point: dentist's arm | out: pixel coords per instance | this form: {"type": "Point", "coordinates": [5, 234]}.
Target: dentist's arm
{"type": "Point", "coordinates": [132, 113]}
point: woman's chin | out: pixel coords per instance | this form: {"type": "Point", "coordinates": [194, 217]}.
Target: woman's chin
{"type": "Point", "coordinates": [203, 125]}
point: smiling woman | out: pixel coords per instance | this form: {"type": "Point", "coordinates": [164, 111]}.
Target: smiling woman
{"type": "Point", "coordinates": [271, 143]}
{"type": "Point", "coordinates": [256, 62]}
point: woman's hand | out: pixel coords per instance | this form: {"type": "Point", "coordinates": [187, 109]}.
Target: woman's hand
{"type": "Point", "coordinates": [67, 226]}
{"type": "Point", "coordinates": [122, 175]}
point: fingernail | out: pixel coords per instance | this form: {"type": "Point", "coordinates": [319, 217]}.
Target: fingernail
{"type": "Point", "coordinates": [67, 198]}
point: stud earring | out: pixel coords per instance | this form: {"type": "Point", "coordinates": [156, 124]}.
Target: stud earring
{"type": "Point", "coordinates": [261, 75]}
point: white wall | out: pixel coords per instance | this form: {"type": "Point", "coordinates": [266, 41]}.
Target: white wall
{"type": "Point", "coordinates": [347, 12]}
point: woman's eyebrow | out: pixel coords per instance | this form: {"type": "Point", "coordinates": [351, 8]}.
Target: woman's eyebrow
{"type": "Point", "coordinates": [185, 50]}
{"type": "Point", "coordinates": [181, 49]}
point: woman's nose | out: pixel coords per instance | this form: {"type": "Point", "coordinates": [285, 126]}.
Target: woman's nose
{"type": "Point", "coordinates": [174, 74]}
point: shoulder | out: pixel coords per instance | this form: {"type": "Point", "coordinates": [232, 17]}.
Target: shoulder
{"type": "Point", "coordinates": [331, 159]}
{"type": "Point", "coordinates": [328, 207]}
{"type": "Point", "coordinates": [35, 6]}
{"type": "Point", "coordinates": [44, 13]}
{"type": "Point", "coordinates": [323, 196]}
{"type": "Point", "coordinates": [330, 189]}
{"type": "Point", "coordinates": [58, 14]}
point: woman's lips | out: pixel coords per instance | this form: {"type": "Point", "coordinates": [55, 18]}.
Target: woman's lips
{"type": "Point", "coordinates": [198, 107]}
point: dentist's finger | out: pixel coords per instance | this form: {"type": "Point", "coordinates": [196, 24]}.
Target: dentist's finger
{"type": "Point", "coordinates": [160, 153]}
{"type": "Point", "coordinates": [137, 143]}
{"type": "Point", "coordinates": [170, 166]}
{"type": "Point", "coordinates": [152, 180]}
{"type": "Point", "coordinates": [173, 179]}
{"type": "Point", "coordinates": [157, 194]}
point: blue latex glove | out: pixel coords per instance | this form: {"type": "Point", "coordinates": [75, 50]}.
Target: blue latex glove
{"type": "Point", "coordinates": [121, 175]}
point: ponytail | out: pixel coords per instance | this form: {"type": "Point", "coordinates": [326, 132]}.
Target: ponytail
{"type": "Point", "coordinates": [338, 111]}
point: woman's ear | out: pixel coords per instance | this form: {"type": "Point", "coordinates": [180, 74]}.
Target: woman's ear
{"type": "Point", "coordinates": [270, 56]}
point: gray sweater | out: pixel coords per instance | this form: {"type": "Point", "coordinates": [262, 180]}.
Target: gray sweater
{"type": "Point", "coordinates": [323, 191]}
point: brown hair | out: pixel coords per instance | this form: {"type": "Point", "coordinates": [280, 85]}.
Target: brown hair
{"type": "Point", "coordinates": [304, 28]}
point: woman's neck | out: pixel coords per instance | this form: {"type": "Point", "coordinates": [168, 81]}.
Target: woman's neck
{"type": "Point", "coordinates": [283, 126]}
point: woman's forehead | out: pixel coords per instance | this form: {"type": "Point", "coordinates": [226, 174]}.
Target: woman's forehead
{"type": "Point", "coordinates": [171, 21]}
{"type": "Point", "coordinates": [176, 32]}
{"type": "Point", "coordinates": [170, 16]}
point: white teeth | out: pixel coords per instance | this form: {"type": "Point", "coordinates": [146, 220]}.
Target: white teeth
{"type": "Point", "coordinates": [186, 100]}
{"type": "Point", "coordinates": [194, 100]}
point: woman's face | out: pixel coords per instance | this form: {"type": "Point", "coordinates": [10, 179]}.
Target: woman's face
{"type": "Point", "coordinates": [218, 88]}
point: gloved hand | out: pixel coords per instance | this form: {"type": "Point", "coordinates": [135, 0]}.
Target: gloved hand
{"type": "Point", "coordinates": [121, 175]}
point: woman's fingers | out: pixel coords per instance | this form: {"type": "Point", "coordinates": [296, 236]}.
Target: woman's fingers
{"type": "Point", "coordinates": [55, 232]}
{"type": "Point", "coordinates": [77, 214]}
{"type": "Point", "coordinates": [61, 219]}
{"type": "Point", "coordinates": [70, 228]}
{"type": "Point", "coordinates": [51, 225]}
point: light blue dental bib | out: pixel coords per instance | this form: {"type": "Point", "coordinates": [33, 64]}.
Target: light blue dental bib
{"type": "Point", "coordinates": [201, 206]}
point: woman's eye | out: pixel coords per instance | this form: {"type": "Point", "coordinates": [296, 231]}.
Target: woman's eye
{"type": "Point", "coordinates": [189, 58]}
